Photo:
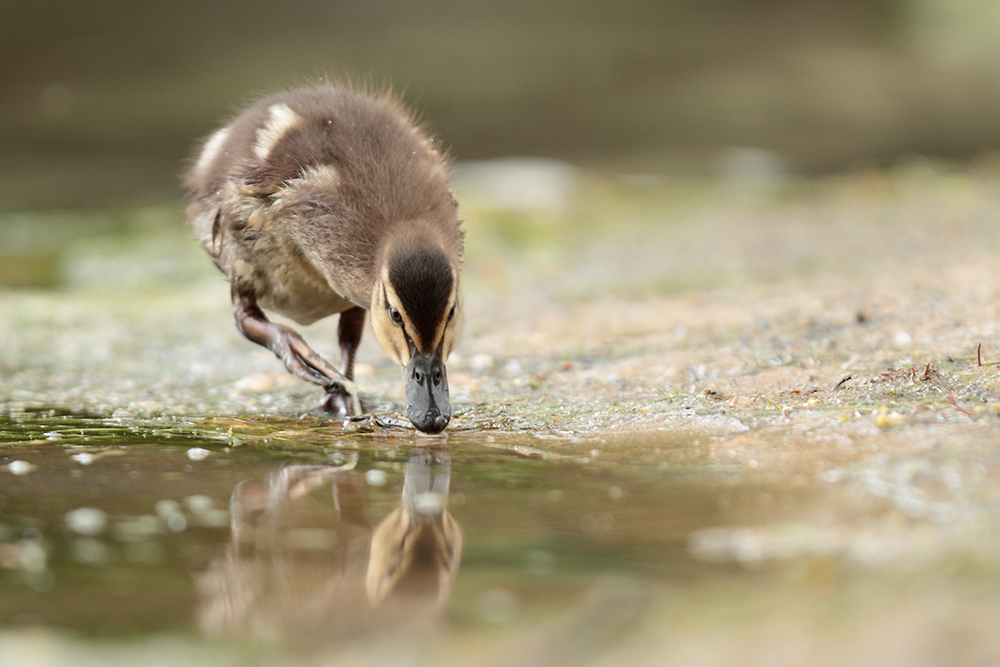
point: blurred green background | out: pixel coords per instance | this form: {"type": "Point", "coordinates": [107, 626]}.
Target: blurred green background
{"type": "Point", "coordinates": [101, 101]}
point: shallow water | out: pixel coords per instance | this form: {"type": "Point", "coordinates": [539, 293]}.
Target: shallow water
{"type": "Point", "coordinates": [225, 541]}
{"type": "Point", "coordinates": [115, 530]}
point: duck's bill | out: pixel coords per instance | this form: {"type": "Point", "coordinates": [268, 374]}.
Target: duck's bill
{"type": "Point", "coordinates": [427, 402]}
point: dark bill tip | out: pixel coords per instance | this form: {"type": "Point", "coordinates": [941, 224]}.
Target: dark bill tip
{"type": "Point", "coordinates": [427, 403]}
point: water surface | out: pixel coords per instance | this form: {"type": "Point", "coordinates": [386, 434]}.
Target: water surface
{"type": "Point", "coordinates": [112, 530]}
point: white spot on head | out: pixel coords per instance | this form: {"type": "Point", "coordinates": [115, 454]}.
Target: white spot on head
{"type": "Point", "coordinates": [210, 151]}
{"type": "Point", "coordinates": [280, 121]}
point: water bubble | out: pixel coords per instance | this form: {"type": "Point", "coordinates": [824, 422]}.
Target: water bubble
{"type": "Point", "coordinates": [198, 453]}
{"type": "Point", "coordinates": [83, 458]}
{"type": "Point", "coordinates": [430, 503]}
{"type": "Point", "coordinates": [176, 522]}
{"type": "Point", "coordinates": [199, 503]}
{"type": "Point", "coordinates": [20, 467]}
{"type": "Point", "coordinates": [31, 556]}
{"type": "Point", "coordinates": [166, 507]}
{"type": "Point", "coordinates": [88, 521]}
{"type": "Point", "coordinates": [376, 477]}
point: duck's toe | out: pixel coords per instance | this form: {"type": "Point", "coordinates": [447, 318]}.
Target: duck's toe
{"type": "Point", "coordinates": [339, 403]}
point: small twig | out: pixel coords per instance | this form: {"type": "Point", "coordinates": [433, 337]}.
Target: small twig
{"type": "Point", "coordinates": [841, 383]}
{"type": "Point", "coordinates": [930, 371]}
{"type": "Point", "coordinates": [979, 357]}
{"type": "Point", "coordinates": [951, 397]}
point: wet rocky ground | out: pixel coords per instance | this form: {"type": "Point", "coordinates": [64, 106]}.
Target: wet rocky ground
{"type": "Point", "coordinates": [754, 421]}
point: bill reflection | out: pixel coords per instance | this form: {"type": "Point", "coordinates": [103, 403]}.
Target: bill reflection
{"type": "Point", "coordinates": [305, 563]}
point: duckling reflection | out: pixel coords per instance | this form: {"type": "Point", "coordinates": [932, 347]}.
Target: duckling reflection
{"type": "Point", "coordinates": [302, 564]}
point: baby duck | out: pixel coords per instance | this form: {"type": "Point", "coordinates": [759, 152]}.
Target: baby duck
{"type": "Point", "coordinates": [328, 200]}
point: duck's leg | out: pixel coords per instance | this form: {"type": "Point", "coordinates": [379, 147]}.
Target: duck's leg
{"type": "Point", "coordinates": [299, 358]}
{"type": "Point", "coordinates": [352, 323]}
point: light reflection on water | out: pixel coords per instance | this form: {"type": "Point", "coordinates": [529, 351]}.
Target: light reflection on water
{"type": "Point", "coordinates": [123, 529]}
{"type": "Point", "coordinates": [304, 561]}
{"type": "Point", "coordinates": [121, 534]}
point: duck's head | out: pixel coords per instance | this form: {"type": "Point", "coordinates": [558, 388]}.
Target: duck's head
{"type": "Point", "coordinates": [416, 313]}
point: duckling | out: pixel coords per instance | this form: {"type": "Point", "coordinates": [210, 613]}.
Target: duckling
{"type": "Point", "coordinates": [327, 200]}
{"type": "Point", "coordinates": [363, 581]}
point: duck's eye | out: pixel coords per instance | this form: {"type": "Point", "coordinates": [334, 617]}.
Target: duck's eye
{"type": "Point", "coordinates": [397, 319]}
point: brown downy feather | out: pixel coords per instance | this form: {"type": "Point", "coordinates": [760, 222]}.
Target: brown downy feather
{"type": "Point", "coordinates": [297, 198]}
